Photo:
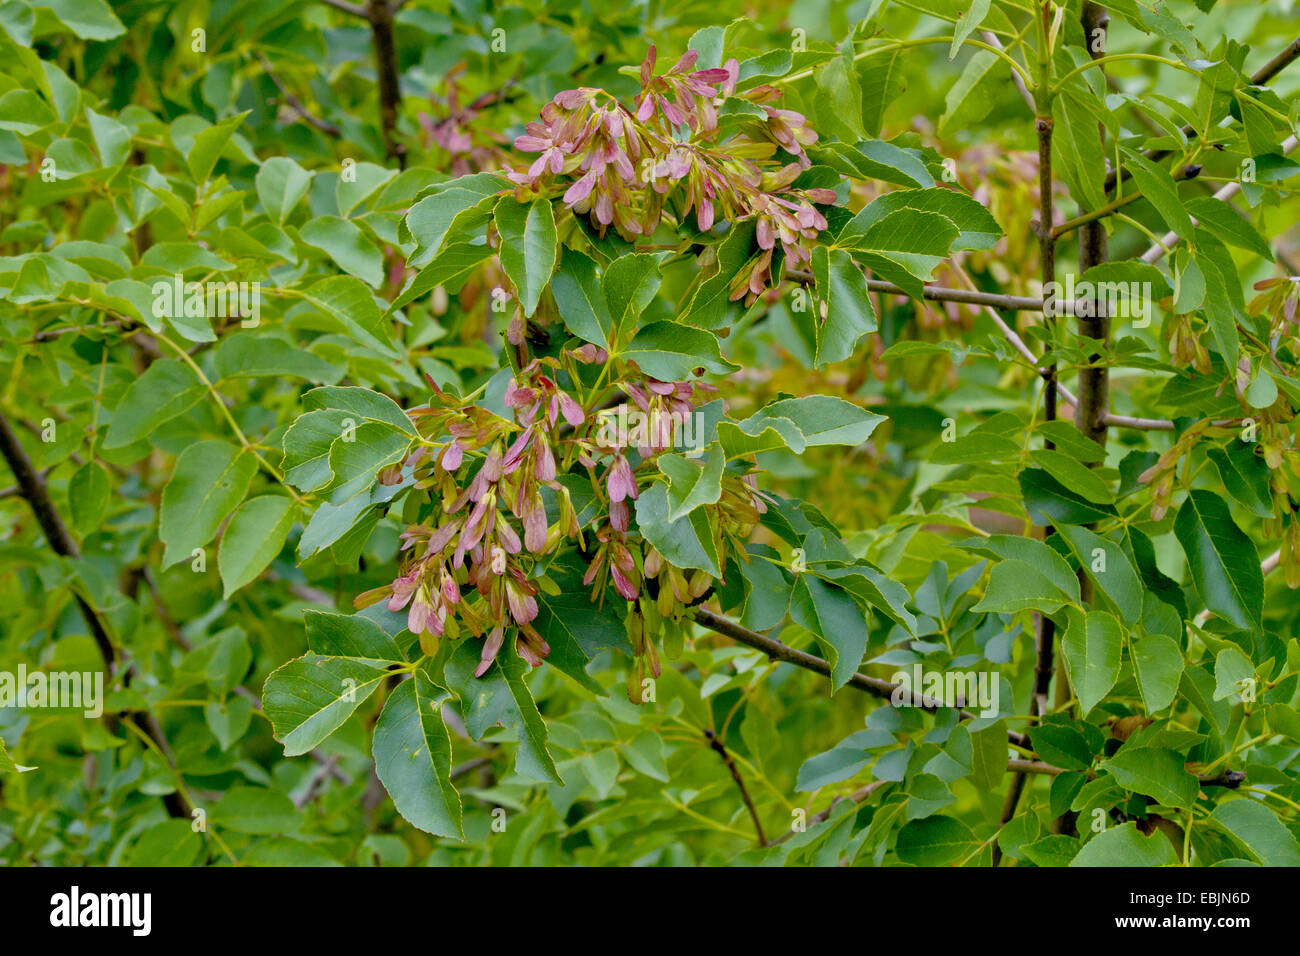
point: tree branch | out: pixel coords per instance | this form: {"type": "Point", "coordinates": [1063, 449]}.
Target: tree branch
{"type": "Point", "coordinates": [390, 96]}
{"type": "Point", "coordinates": [857, 796]}
{"type": "Point", "coordinates": [295, 104]}
{"type": "Point", "coordinates": [776, 650]}
{"type": "Point", "coordinates": [997, 300]}
{"type": "Point", "coordinates": [31, 485]}
{"type": "Point", "coordinates": [721, 750]}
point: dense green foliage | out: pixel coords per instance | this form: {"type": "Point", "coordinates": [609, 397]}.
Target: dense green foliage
{"type": "Point", "coordinates": [520, 434]}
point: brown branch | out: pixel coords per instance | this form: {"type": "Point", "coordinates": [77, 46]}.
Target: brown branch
{"type": "Point", "coordinates": [323, 773]}
{"type": "Point", "coordinates": [390, 96]}
{"type": "Point", "coordinates": [857, 796]}
{"type": "Point", "coordinates": [775, 650]}
{"type": "Point", "coordinates": [295, 104]}
{"type": "Point", "coordinates": [1094, 379]}
{"type": "Point", "coordinates": [721, 750]}
{"type": "Point", "coordinates": [997, 300]}
{"type": "Point", "coordinates": [31, 485]}
{"type": "Point", "coordinates": [1047, 272]}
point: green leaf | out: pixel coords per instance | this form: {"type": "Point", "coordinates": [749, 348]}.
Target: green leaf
{"type": "Point", "coordinates": [1076, 145]}
{"type": "Point", "coordinates": [351, 189]}
{"type": "Point", "coordinates": [684, 543]}
{"type": "Point", "coordinates": [872, 588]}
{"type": "Point", "coordinates": [348, 246]}
{"type": "Point", "coordinates": [527, 250]}
{"type": "Point", "coordinates": [578, 295]}
{"type": "Point", "coordinates": [1073, 475]}
{"type": "Point", "coordinates": [1062, 745]}
{"type": "Point", "coordinates": [349, 303]}
{"type": "Point", "coordinates": [1016, 586]}
{"type": "Point", "coordinates": [967, 23]}
{"type": "Point", "coordinates": [989, 756]}
{"type": "Point", "coordinates": [971, 98]}
{"type": "Point", "coordinates": [7, 764]}
{"type": "Point", "coordinates": [1055, 849]}
{"type": "Point", "coordinates": [1222, 559]}
{"type": "Point", "coordinates": [350, 635]}
{"type": "Point", "coordinates": [823, 419]}
{"type": "Point", "coordinates": [255, 810]}
{"type": "Point", "coordinates": [307, 445]}
{"type": "Point", "coordinates": [1093, 648]}
{"type": "Point", "coordinates": [210, 480]}
{"type": "Point", "coordinates": [1158, 664]}
{"type": "Point", "coordinates": [207, 147]}
{"type": "Point", "coordinates": [691, 483]}
{"type": "Point", "coordinates": [310, 697]}
{"type": "Point", "coordinates": [501, 697]}
{"type": "Point", "coordinates": [1258, 829]}
{"type": "Point", "coordinates": [451, 269]}
{"type": "Point", "coordinates": [976, 448]}
{"type": "Point", "coordinates": [413, 757]}
{"type": "Point", "coordinates": [88, 19]}
{"type": "Point", "coordinates": [254, 355]}
{"type": "Point", "coordinates": [912, 239]}
{"type": "Point", "coordinates": [1031, 551]}
{"type": "Point", "coordinates": [837, 621]}
{"type": "Point", "coordinates": [1123, 845]}
{"type": "Point", "coordinates": [979, 230]}
{"type": "Point", "coordinates": [842, 762]}
{"type": "Point", "coordinates": [671, 352]}
{"type": "Point", "coordinates": [1227, 225]}
{"type": "Point", "coordinates": [842, 287]}
{"type": "Point", "coordinates": [355, 465]}
{"type": "Point", "coordinates": [88, 495]}
{"type": "Point", "coordinates": [286, 852]}
{"type": "Point", "coordinates": [167, 388]}
{"type": "Point", "coordinates": [935, 841]}
{"type": "Point", "coordinates": [281, 183]}
{"type": "Point", "coordinates": [1109, 567]}
{"type": "Point", "coordinates": [1158, 774]}
{"type": "Point", "coordinates": [172, 843]}
{"type": "Point", "coordinates": [255, 535]}
{"type": "Point", "coordinates": [229, 720]}
{"type": "Point", "coordinates": [1158, 188]}
{"type": "Point", "coordinates": [577, 630]}
{"type": "Point", "coordinates": [629, 284]}
{"type": "Point", "coordinates": [437, 219]}
{"type": "Point", "coordinates": [1245, 476]}
{"type": "Point", "coordinates": [1234, 674]}
{"type": "Point", "coordinates": [1050, 502]}
{"type": "Point", "coordinates": [362, 403]}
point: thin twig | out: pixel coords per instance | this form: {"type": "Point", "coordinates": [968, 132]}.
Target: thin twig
{"type": "Point", "coordinates": [857, 796]}
{"type": "Point", "coordinates": [776, 650]}
{"type": "Point", "coordinates": [721, 750]}
{"type": "Point", "coordinates": [295, 104]}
